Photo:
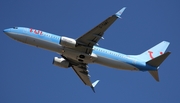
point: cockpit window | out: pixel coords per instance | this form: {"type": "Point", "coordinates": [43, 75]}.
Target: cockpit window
{"type": "Point", "coordinates": [15, 27]}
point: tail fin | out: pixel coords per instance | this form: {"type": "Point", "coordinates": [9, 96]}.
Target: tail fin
{"type": "Point", "coordinates": [156, 62]}
{"type": "Point", "coordinates": [154, 57]}
{"type": "Point", "coordinates": [154, 52]}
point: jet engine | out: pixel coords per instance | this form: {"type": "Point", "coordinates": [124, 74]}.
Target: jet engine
{"type": "Point", "coordinates": [61, 62]}
{"type": "Point", "coordinates": [68, 42]}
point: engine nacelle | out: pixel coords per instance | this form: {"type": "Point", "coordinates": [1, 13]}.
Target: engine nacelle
{"type": "Point", "coordinates": [61, 62]}
{"type": "Point", "coordinates": [68, 42]}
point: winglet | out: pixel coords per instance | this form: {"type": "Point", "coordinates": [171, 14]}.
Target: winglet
{"type": "Point", "coordinates": [94, 84]}
{"type": "Point", "coordinates": [118, 14]}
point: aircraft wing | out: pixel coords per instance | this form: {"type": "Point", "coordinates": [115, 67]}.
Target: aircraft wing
{"type": "Point", "coordinates": [83, 74]}
{"type": "Point", "coordinates": [91, 38]}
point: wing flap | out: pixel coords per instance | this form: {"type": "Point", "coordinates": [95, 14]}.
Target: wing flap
{"type": "Point", "coordinates": [83, 75]}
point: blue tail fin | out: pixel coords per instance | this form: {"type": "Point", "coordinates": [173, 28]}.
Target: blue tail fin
{"type": "Point", "coordinates": [154, 52]}
{"type": "Point", "coordinates": [154, 57]}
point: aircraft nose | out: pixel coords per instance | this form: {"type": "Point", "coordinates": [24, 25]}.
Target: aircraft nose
{"type": "Point", "coordinates": [5, 30]}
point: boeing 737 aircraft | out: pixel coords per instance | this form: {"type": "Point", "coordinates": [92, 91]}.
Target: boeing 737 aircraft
{"type": "Point", "coordinates": [78, 53]}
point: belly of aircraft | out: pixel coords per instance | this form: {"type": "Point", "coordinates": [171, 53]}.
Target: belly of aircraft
{"type": "Point", "coordinates": [114, 64]}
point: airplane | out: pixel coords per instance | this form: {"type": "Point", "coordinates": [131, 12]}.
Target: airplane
{"type": "Point", "coordinates": [78, 53]}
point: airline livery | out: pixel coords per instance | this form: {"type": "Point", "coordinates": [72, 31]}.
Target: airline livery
{"type": "Point", "coordinates": [78, 53]}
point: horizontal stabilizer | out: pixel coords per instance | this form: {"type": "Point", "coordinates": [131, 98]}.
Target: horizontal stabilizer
{"type": "Point", "coordinates": [155, 75]}
{"type": "Point", "coordinates": [158, 60]}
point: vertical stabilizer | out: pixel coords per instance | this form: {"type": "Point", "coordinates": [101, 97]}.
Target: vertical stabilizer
{"type": "Point", "coordinates": [154, 52]}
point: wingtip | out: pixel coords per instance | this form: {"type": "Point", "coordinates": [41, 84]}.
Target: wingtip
{"type": "Point", "coordinates": [119, 13]}
{"type": "Point", "coordinates": [94, 84]}
{"type": "Point", "coordinates": [93, 89]}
